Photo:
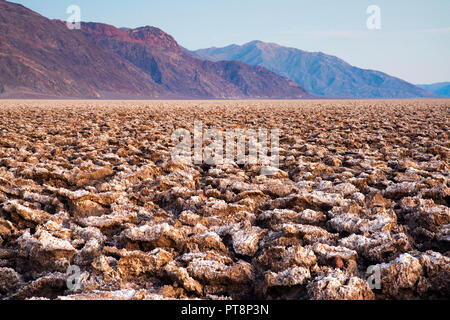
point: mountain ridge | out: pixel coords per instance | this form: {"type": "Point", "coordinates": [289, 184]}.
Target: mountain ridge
{"type": "Point", "coordinates": [160, 56]}
{"type": "Point", "coordinates": [42, 58]}
{"type": "Point", "coordinates": [320, 74]}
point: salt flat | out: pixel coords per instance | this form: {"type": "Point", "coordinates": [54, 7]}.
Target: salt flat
{"type": "Point", "coordinates": [93, 184]}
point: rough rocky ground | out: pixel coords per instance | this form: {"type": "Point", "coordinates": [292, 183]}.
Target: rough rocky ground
{"type": "Point", "coordinates": [92, 184]}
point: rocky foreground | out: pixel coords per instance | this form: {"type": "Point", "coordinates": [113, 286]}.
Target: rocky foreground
{"type": "Point", "coordinates": [361, 184]}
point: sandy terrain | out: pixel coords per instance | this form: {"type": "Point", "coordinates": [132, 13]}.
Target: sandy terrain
{"type": "Point", "coordinates": [92, 206]}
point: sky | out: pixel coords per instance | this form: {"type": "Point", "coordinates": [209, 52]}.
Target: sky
{"type": "Point", "coordinates": [413, 41]}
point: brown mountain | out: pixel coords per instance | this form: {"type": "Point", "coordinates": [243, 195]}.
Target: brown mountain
{"type": "Point", "coordinates": [40, 57]}
{"type": "Point", "coordinates": [43, 58]}
{"type": "Point", "coordinates": [159, 55]}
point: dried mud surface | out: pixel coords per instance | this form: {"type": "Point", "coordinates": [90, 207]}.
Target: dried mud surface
{"type": "Point", "coordinates": [92, 184]}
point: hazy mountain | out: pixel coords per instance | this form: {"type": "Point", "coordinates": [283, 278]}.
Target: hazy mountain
{"type": "Point", "coordinates": [319, 73]}
{"type": "Point", "coordinates": [43, 58]}
{"type": "Point", "coordinates": [441, 88]}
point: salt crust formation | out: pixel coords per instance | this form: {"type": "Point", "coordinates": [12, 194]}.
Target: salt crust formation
{"type": "Point", "coordinates": [93, 184]}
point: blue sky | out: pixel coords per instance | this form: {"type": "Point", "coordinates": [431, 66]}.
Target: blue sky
{"type": "Point", "coordinates": [413, 42]}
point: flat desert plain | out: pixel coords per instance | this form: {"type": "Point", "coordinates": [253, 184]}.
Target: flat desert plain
{"type": "Point", "coordinates": [93, 205]}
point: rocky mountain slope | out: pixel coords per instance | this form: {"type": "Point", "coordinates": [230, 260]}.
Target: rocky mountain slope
{"type": "Point", "coordinates": [43, 57]}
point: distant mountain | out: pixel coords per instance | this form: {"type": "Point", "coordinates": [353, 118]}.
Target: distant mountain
{"type": "Point", "coordinates": [441, 88]}
{"type": "Point", "coordinates": [318, 73]}
{"type": "Point", "coordinates": [42, 58]}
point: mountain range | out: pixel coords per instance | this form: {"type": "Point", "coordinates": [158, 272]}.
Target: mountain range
{"type": "Point", "coordinates": [320, 74]}
{"type": "Point", "coordinates": [159, 56]}
{"type": "Point", "coordinates": [441, 88]}
{"type": "Point", "coordinates": [42, 58]}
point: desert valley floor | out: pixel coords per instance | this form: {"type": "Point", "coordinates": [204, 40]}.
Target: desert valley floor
{"type": "Point", "coordinates": [91, 187]}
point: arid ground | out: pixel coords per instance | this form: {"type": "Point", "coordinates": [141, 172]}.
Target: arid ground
{"type": "Point", "coordinates": [91, 186]}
